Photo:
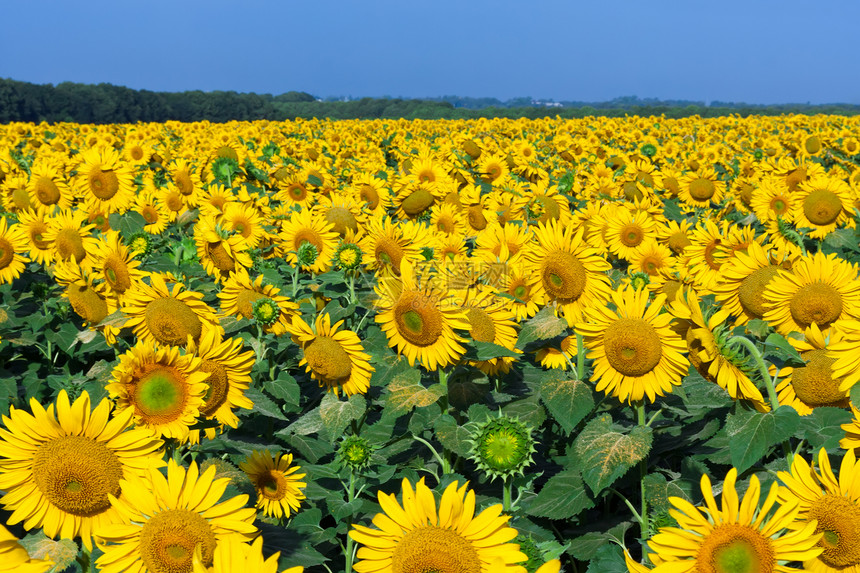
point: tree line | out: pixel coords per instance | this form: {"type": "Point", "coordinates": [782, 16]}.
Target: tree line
{"type": "Point", "coordinates": [107, 103]}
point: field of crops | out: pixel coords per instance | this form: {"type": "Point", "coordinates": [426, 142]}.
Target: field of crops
{"type": "Point", "coordinates": [599, 345]}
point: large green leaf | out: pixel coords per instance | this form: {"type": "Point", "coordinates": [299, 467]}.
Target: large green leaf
{"type": "Point", "coordinates": [336, 414]}
{"type": "Point", "coordinates": [568, 401]}
{"type": "Point", "coordinates": [822, 428]}
{"type": "Point", "coordinates": [263, 404]}
{"type": "Point", "coordinates": [406, 392]}
{"type": "Point", "coordinates": [751, 434]}
{"type": "Point", "coordinates": [453, 436]}
{"type": "Point", "coordinates": [606, 452]}
{"type": "Point", "coordinates": [542, 326]}
{"type": "Point", "coordinates": [562, 497]}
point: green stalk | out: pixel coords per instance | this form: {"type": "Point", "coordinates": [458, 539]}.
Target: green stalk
{"type": "Point", "coordinates": [580, 357]}
{"type": "Point", "coordinates": [643, 472]}
{"type": "Point", "coordinates": [762, 367]}
{"type": "Point", "coordinates": [507, 487]}
{"type": "Point", "coordinates": [350, 543]}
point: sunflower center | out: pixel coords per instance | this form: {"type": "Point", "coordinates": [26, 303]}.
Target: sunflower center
{"type": "Point", "coordinates": [503, 446]}
{"type": "Point", "coordinates": [822, 207]}
{"type": "Point", "coordinates": [47, 191]}
{"type": "Point", "coordinates": [520, 291]}
{"type": "Point", "coordinates": [87, 303]}
{"type": "Point", "coordinates": [103, 184]}
{"type": "Point", "coordinates": [7, 253]}
{"type": "Point", "coordinates": [550, 209]}
{"type": "Point", "coordinates": [370, 196]}
{"type": "Point", "coordinates": [76, 474]}
{"type": "Point", "coordinates": [678, 242]}
{"type": "Point", "coordinates": [839, 518]}
{"type": "Point", "coordinates": [631, 191]}
{"type": "Point", "coordinates": [183, 183]}
{"type": "Point", "coordinates": [702, 189]}
{"type": "Point", "coordinates": [328, 360]}
{"type": "Point", "coordinates": [812, 144]}
{"type": "Point", "coordinates": [171, 321]}
{"type": "Point", "coordinates": [70, 245]}
{"type": "Point", "coordinates": [245, 302]}
{"type": "Point", "coordinates": [418, 201]}
{"type": "Point", "coordinates": [149, 214]}
{"type": "Point", "coordinates": [814, 383]}
{"type": "Point", "coordinates": [651, 265]}
{"type": "Point", "coordinates": [342, 220]}
{"type": "Point", "coordinates": [116, 273]}
{"type": "Point", "coordinates": [159, 393]}
{"type": "Point", "coordinates": [751, 290]}
{"type": "Point", "coordinates": [218, 382]}
{"type": "Point", "coordinates": [632, 346]}
{"type": "Point", "coordinates": [272, 485]}
{"type": "Point", "coordinates": [563, 276]}
{"type": "Point", "coordinates": [168, 540]}
{"type": "Point", "coordinates": [746, 193]}
{"type": "Point", "coordinates": [482, 327]}
{"type": "Point", "coordinates": [310, 236]}
{"type": "Point", "coordinates": [388, 252]}
{"type": "Point", "coordinates": [418, 319]}
{"type": "Point", "coordinates": [795, 178]}
{"type": "Point", "coordinates": [817, 303]}
{"type": "Point", "coordinates": [21, 198]}
{"type": "Point", "coordinates": [431, 549]}
{"type": "Point", "coordinates": [476, 218]}
{"type": "Point", "coordinates": [220, 257]}
{"type": "Point", "coordinates": [735, 548]}
{"type": "Point", "coordinates": [631, 235]}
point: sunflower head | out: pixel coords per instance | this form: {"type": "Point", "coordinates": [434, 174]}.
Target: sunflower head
{"type": "Point", "coordinates": [140, 244]}
{"type": "Point", "coordinates": [265, 311]}
{"type": "Point", "coordinates": [355, 452]}
{"type": "Point", "coordinates": [639, 280]}
{"type": "Point", "coordinates": [347, 257]}
{"type": "Point", "coordinates": [502, 447]}
{"type": "Point", "coordinates": [307, 254]}
{"type": "Point", "coordinates": [648, 150]}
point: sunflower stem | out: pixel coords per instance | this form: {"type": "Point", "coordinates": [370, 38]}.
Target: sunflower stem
{"type": "Point", "coordinates": [446, 467]}
{"type": "Point", "coordinates": [507, 487]}
{"type": "Point", "coordinates": [580, 357]}
{"type": "Point", "coordinates": [295, 279]}
{"type": "Point", "coordinates": [351, 283]}
{"type": "Point", "coordinates": [85, 560]}
{"type": "Point", "coordinates": [349, 553]}
{"type": "Point", "coordinates": [762, 367]}
{"type": "Point", "coordinates": [629, 505]}
{"type": "Point", "coordinates": [643, 473]}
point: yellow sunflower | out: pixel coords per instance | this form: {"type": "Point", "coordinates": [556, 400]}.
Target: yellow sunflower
{"type": "Point", "coordinates": [169, 517]}
{"type": "Point", "coordinates": [419, 320]}
{"type": "Point", "coordinates": [701, 187]}
{"type": "Point", "coordinates": [706, 253]}
{"type": "Point", "coordinates": [89, 300]}
{"type": "Point", "coordinates": [515, 282]}
{"type": "Point", "coordinates": [229, 376]}
{"type": "Point", "coordinates": [829, 504]}
{"type": "Point", "coordinates": [233, 555]}
{"type": "Point", "coordinates": [239, 294]}
{"type": "Point", "coordinates": [219, 254]}
{"type": "Point", "coordinates": [773, 200]}
{"type": "Point", "coordinates": [820, 289]}
{"type": "Point", "coordinates": [113, 264]}
{"type": "Point", "coordinates": [371, 194]}
{"type": "Point", "coordinates": [491, 320]}
{"type": "Point", "coordinates": [186, 179]}
{"type": "Point", "coordinates": [507, 244]}
{"type": "Point", "coordinates": [35, 226]}
{"type": "Point", "coordinates": [14, 558]}
{"type": "Point", "coordinates": [627, 231]}
{"type": "Point", "coordinates": [737, 536]}
{"type": "Point", "coordinates": [822, 204]}
{"type": "Point", "coordinates": [635, 352]}
{"type": "Point", "coordinates": [566, 271]}
{"type": "Point", "coordinates": [278, 486]}
{"type": "Point", "coordinates": [246, 221]}
{"type": "Point", "coordinates": [342, 211]}
{"type": "Point", "coordinates": [59, 467]}
{"type": "Point", "coordinates": [69, 235]}
{"type": "Point", "coordinates": [559, 358]}
{"type": "Point", "coordinates": [388, 244]}
{"type": "Point", "coordinates": [162, 315]}
{"type": "Point", "coordinates": [154, 213]}
{"type": "Point", "coordinates": [416, 536]}
{"type": "Point", "coordinates": [105, 181]}
{"type": "Point", "coordinates": [13, 242]}
{"type": "Point", "coordinates": [163, 388]}
{"type": "Point", "coordinates": [303, 227]}
{"type": "Point", "coordinates": [333, 357]}
{"type": "Point", "coordinates": [48, 188]}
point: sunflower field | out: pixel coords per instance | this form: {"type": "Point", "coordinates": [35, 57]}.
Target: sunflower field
{"type": "Point", "coordinates": [389, 346]}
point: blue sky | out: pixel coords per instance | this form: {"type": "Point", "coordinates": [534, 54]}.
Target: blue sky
{"type": "Point", "coordinates": [752, 51]}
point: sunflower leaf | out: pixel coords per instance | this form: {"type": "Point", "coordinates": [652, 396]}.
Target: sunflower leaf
{"type": "Point", "coordinates": [607, 452]}
{"type": "Point", "coordinates": [453, 436]}
{"type": "Point", "coordinates": [62, 552]}
{"type": "Point", "coordinates": [263, 404]}
{"type": "Point", "coordinates": [336, 414]}
{"type": "Point", "coordinates": [542, 326]}
{"type": "Point", "coordinates": [405, 392]}
{"type": "Point", "coordinates": [562, 497]}
{"type": "Point", "coordinates": [568, 401]}
{"type": "Point", "coordinates": [822, 428]}
{"type": "Point", "coordinates": [751, 434]}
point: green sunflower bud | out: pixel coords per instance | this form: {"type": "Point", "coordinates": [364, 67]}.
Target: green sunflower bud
{"type": "Point", "coordinates": [265, 311]}
{"type": "Point", "coordinates": [140, 244]}
{"type": "Point", "coordinates": [347, 257]}
{"type": "Point", "coordinates": [355, 452]}
{"type": "Point", "coordinates": [502, 447]}
{"type": "Point", "coordinates": [307, 254]}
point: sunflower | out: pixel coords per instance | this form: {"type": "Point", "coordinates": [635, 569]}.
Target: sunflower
{"type": "Point", "coordinates": [13, 242]}
{"type": "Point", "coordinates": [515, 283]}
{"type": "Point", "coordinates": [342, 211]}
{"type": "Point", "coordinates": [446, 219]}
{"type": "Point", "coordinates": [14, 558]}
{"type": "Point", "coordinates": [820, 289]}
{"type": "Point", "coordinates": [389, 244]}
{"type": "Point", "coordinates": [113, 264]}
{"type": "Point", "coordinates": [293, 190]}
{"type": "Point", "coordinates": [221, 255]}
{"type": "Point", "coordinates": [370, 193]}
{"type": "Point", "coordinates": [34, 225]}
{"type": "Point", "coordinates": [304, 228]}
{"type": "Point", "coordinates": [415, 536]}
{"type": "Point", "coordinates": [709, 351]}
{"type": "Point", "coordinates": [69, 234]}
{"type": "Point", "coordinates": [654, 260]}
{"type": "Point", "coordinates": [675, 235]}
{"type": "Point", "coordinates": [169, 518]}
{"type": "Point", "coordinates": [186, 179]}
{"type": "Point", "coordinates": [557, 357]}
{"type": "Point", "coordinates": [332, 357]}
{"type": "Point", "coordinates": [635, 352]}
{"type": "Point", "coordinates": [416, 197]}
{"type": "Point", "coordinates": [48, 187]}
{"type": "Point", "coordinates": [742, 281]}
{"type": "Point", "coordinates": [492, 168]}
{"type": "Point", "coordinates": [58, 468]}
{"type": "Point", "coordinates": [162, 315]}
{"type": "Point", "coordinates": [419, 320]}
{"type": "Point", "coordinates": [506, 244]}
{"type": "Point", "coordinates": [772, 201]}
{"type": "Point", "coordinates": [278, 486]}
{"type": "Point", "coordinates": [814, 385]}
{"type": "Point", "coordinates": [701, 187]}
{"type": "Point", "coordinates": [16, 194]}
{"type": "Point", "coordinates": [154, 213]}
{"type": "Point", "coordinates": [163, 388]}
{"type": "Point", "coordinates": [89, 300]}
{"type": "Point", "coordinates": [214, 202]}
{"type": "Point", "coordinates": [491, 320]}
{"type": "Point", "coordinates": [823, 204]}
{"type": "Point", "coordinates": [232, 555]}
{"type": "Point", "coordinates": [829, 504]}
{"type": "Point", "coordinates": [706, 253]}
{"type": "Point", "coordinates": [105, 181]}
{"type": "Point", "coordinates": [738, 536]}
{"type": "Point", "coordinates": [566, 271]}
{"type": "Point", "coordinates": [239, 294]}
{"type": "Point", "coordinates": [229, 376]}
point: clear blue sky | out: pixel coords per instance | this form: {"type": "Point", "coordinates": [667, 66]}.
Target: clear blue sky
{"type": "Point", "coordinates": [756, 51]}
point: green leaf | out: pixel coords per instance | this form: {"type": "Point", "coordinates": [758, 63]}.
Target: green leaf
{"type": "Point", "coordinates": [406, 392]}
{"type": "Point", "coordinates": [528, 410]}
{"type": "Point", "coordinates": [562, 497]}
{"type": "Point", "coordinates": [285, 388]}
{"type": "Point", "coordinates": [607, 452]}
{"type": "Point", "coordinates": [822, 427]}
{"type": "Point", "coordinates": [336, 414]}
{"type": "Point", "coordinates": [542, 326]}
{"type": "Point", "coordinates": [489, 350]}
{"type": "Point", "coordinates": [453, 436]}
{"type": "Point", "coordinates": [314, 180]}
{"type": "Point", "coordinates": [568, 401]}
{"type": "Point", "coordinates": [854, 396]}
{"type": "Point", "coordinates": [608, 559]}
{"type": "Point", "coordinates": [62, 552]}
{"type": "Point", "coordinates": [758, 328]}
{"type": "Point", "coordinates": [751, 434]}
{"type": "Point", "coordinates": [658, 490]}
{"type": "Point", "coordinates": [782, 349]}
{"type": "Point", "coordinates": [263, 404]}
